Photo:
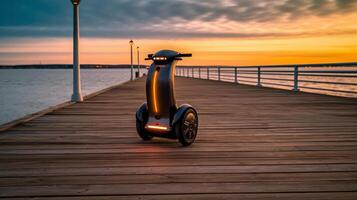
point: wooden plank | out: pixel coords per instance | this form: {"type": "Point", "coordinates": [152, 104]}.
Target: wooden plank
{"type": "Point", "coordinates": [174, 188]}
{"type": "Point", "coordinates": [249, 196]}
{"type": "Point", "coordinates": [200, 169]}
{"type": "Point", "coordinates": [179, 178]}
{"type": "Point", "coordinates": [50, 164]}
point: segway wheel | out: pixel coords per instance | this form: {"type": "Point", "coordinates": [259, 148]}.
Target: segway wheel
{"type": "Point", "coordinates": [186, 128]}
{"type": "Point", "coordinates": [140, 129]}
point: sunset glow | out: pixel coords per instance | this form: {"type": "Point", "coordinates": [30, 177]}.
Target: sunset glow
{"type": "Point", "coordinates": [324, 34]}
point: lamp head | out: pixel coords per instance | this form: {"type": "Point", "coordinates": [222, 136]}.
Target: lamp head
{"type": "Point", "coordinates": [131, 42]}
{"type": "Point", "coordinates": [75, 2]}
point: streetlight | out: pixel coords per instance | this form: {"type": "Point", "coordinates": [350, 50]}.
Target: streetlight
{"type": "Point", "coordinates": [131, 58]}
{"type": "Point", "coordinates": [77, 94]}
{"type": "Point", "coordinates": [137, 49]}
{"type": "Point", "coordinates": [75, 2]}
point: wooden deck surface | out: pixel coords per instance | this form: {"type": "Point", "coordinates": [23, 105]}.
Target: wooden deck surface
{"type": "Point", "coordinates": [253, 143]}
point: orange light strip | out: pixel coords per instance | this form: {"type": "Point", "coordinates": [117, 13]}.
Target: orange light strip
{"type": "Point", "coordinates": [157, 127]}
{"type": "Point", "coordinates": [154, 92]}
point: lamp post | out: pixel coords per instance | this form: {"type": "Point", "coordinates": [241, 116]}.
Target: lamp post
{"type": "Point", "coordinates": [77, 94]}
{"type": "Point", "coordinates": [131, 58]}
{"type": "Point", "coordinates": [137, 49]}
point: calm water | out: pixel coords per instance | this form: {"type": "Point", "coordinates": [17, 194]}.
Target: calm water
{"type": "Point", "coordinates": [25, 91]}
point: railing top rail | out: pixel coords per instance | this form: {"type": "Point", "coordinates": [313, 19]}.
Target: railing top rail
{"type": "Point", "coordinates": [285, 76]}
{"type": "Point", "coordinates": [345, 64]}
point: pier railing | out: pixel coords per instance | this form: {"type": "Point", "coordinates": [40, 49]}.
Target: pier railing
{"type": "Point", "coordinates": [329, 78]}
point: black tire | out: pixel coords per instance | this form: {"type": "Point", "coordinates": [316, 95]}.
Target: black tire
{"type": "Point", "coordinates": [186, 128]}
{"type": "Point", "coordinates": [142, 114]}
{"type": "Point", "coordinates": [140, 129]}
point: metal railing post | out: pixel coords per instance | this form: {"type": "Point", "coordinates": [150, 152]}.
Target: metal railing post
{"type": "Point", "coordinates": [235, 75]}
{"type": "Point", "coordinates": [219, 73]}
{"type": "Point", "coordinates": [193, 75]}
{"type": "Point", "coordinates": [296, 78]}
{"type": "Point", "coordinates": [207, 73]}
{"type": "Point", "coordinates": [199, 72]}
{"type": "Point", "coordinates": [259, 79]}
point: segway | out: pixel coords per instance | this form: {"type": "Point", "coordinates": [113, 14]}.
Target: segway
{"type": "Point", "coordinates": [160, 116]}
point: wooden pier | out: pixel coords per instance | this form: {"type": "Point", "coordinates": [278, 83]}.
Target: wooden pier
{"type": "Point", "coordinates": [253, 143]}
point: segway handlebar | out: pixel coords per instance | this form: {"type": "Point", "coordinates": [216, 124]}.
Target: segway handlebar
{"type": "Point", "coordinates": [185, 55]}
{"type": "Point", "coordinates": [158, 57]}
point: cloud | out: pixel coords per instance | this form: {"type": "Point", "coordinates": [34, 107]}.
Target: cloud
{"type": "Point", "coordinates": [125, 18]}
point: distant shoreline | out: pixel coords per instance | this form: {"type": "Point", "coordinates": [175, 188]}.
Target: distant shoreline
{"type": "Point", "coordinates": [67, 66]}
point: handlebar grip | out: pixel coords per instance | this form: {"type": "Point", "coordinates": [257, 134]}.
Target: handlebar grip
{"type": "Point", "coordinates": [185, 55]}
{"type": "Point", "coordinates": [149, 57]}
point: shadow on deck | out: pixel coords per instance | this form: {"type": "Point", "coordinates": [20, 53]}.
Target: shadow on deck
{"type": "Point", "coordinates": [253, 143]}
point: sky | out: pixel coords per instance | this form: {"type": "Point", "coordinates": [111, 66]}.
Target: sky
{"type": "Point", "coordinates": [217, 32]}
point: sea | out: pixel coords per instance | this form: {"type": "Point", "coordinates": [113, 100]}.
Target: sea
{"type": "Point", "coordinates": [26, 91]}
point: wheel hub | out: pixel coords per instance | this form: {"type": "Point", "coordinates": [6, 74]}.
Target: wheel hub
{"type": "Point", "coordinates": [190, 126]}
